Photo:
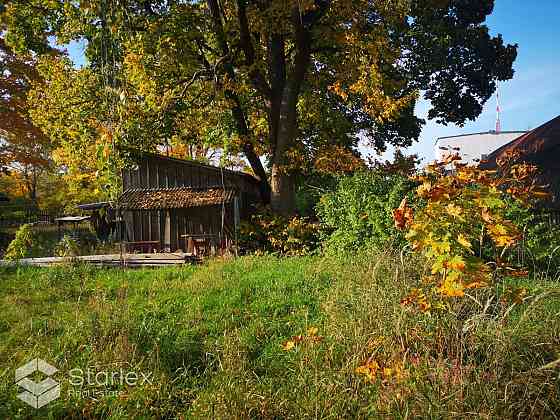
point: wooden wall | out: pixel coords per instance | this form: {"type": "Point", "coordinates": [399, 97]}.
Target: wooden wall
{"type": "Point", "coordinates": [150, 225]}
{"type": "Point", "coordinates": [161, 172]}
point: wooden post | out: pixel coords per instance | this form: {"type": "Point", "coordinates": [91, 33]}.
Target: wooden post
{"type": "Point", "coordinates": [167, 233]}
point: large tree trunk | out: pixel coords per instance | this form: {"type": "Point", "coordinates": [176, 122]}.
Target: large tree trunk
{"type": "Point", "coordinates": [280, 95]}
{"type": "Point", "coordinates": [284, 122]}
{"type": "Point", "coordinates": [282, 181]}
{"type": "Point", "coordinates": [283, 195]}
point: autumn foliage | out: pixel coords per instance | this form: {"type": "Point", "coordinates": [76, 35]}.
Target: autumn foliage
{"type": "Point", "coordinates": [465, 209]}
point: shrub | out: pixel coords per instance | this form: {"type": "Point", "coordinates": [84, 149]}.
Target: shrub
{"type": "Point", "coordinates": [465, 210]}
{"type": "Point", "coordinates": [539, 245]}
{"type": "Point", "coordinates": [266, 232]}
{"type": "Point", "coordinates": [24, 244]}
{"type": "Point", "coordinates": [359, 211]}
{"type": "Point", "coordinates": [67, 247]}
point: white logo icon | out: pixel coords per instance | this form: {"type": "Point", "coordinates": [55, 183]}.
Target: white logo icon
{"type": "Point", "coordinates": [37, 394]}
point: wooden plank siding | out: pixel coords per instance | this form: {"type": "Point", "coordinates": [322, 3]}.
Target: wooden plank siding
{"type": "Point", "coordinates": [153, 171]}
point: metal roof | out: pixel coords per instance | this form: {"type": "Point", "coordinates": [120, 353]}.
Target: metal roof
{"type": "Point", "coordinates": [479, 134]}
{"type": "Point", "coordinates": [172, 198]}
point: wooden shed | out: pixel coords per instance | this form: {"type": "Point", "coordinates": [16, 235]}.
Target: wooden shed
{"type": "Point", "coordinates": [167, 203]}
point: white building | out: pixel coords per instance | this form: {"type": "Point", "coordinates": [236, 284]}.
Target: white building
{"type": "Point", "coordinates": [473, 147]}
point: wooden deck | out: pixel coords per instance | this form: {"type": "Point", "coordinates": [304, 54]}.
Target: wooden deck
{"type": "Point", "coordinates": [114, 260]}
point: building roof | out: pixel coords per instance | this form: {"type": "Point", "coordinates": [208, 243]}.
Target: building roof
{"type": "Point", "coordinates": [138, 153]}
{"type": "Point", "coordinates": [539, 146]}
{"type": "Point", "coordinates": [479, 134]}
{"type": "Point", "coordinates": [172, 198]}
{"type": "Point", "coordinates": [71, 219]}
{"type": "Point", "coordinates": [94, 206]}
{"type": "Point", "coordinates": [471, 148]}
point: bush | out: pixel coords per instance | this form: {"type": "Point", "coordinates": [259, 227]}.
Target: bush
{"type": "Point", "coordinates": [67, 247]}
{"type": "Point", "coordinates": [266, 232]}
{"type": "Point", "coordinates": [539, 245]}
{"type": "Point", "coordinates": [359, 211]}
{"type": "Point", "coordinates": [466, 209]}
{"type": "Point", "coordinates": [24, 244]}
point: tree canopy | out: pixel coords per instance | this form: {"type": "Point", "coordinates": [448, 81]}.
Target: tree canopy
{"type": "Point", "coordinates": [24, 149]}
{"type": "Point", "coordinates": [283, 80]}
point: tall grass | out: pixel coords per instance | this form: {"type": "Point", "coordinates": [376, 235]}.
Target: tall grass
{"type": "Point", "coordinates": [212, 336]}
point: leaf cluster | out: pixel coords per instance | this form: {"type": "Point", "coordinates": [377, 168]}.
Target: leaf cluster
{"type": "Point", "coordinates": [358, 212]}
{"type": "Point", "coordinates": [267, 232]}
{"type": "Point", "coordinates": [465, 209]}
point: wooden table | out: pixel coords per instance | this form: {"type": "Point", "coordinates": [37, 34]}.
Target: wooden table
{"type": "Point", "coordinates": [200, 243]}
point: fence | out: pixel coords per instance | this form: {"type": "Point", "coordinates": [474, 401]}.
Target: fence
{"type": "Point", "coordinates": [550, 216]}
{"type": "Point", "coordinates": [17, 218]}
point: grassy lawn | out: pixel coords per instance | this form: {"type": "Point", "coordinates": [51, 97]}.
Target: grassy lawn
{"type": "Point", "coordinates": [211, 339]}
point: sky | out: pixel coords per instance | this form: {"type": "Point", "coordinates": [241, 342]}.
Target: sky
{"type": "Point", "coordinates": [530, 99]}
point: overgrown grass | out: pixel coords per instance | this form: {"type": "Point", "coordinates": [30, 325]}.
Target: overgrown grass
{"type": "Point", "coordinates": [212, 338]}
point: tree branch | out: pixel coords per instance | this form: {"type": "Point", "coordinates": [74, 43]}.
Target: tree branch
{"type": "Point", "coordinates": [257, 78]}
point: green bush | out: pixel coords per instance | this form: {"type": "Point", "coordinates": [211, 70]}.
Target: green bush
{"type": "Point", "coordinates": [24, 244]}
{"type": "Point", "coordinates": [67, 247]}
{"type": "Point", "coordinates": [359, 211]}
{"type": "Point", "coordinates": [266, 232]}
{"type": "Point", "coordinates": [539, 248]}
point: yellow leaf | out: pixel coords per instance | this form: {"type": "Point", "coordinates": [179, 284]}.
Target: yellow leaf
{"type": "Point", "coordinates": [454, 210]}
{"type": "Point", "coordinates": [311, 331]}
{"type": "Point", "coordinates": [288, 345]}
{"type": "Point", "coordinates": [456, 263]}
{"type": "Point", "coordinates": [451, 288]}
{"type": "Point", "coordinates": [462, 239]}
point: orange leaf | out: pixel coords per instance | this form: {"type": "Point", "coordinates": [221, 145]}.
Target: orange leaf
{"type": "Point", "coordinates": [403, 215]}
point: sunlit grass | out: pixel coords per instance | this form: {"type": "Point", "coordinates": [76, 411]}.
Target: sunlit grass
{"type": "Point", "coordinates": [212, 336]}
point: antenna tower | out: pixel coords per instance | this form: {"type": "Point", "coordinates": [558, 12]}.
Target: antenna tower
{"type": "Point", "coordinates": [498, 110]}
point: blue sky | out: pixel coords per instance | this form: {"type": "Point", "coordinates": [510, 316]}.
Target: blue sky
{"type": "Point", "coordinates": [531, 98]}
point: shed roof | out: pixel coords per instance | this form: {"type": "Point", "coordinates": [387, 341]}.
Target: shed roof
{"type": "Point", "coordinates": [139, 154]}
{"type": "Point", "coordinates": [540, 146]}
{"type": "Point", "coordinates": [94, 206]}
{"type": "Point", "coordinates": [71, 218]}
{"type": "Point", "coordinates": [173, 198]}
